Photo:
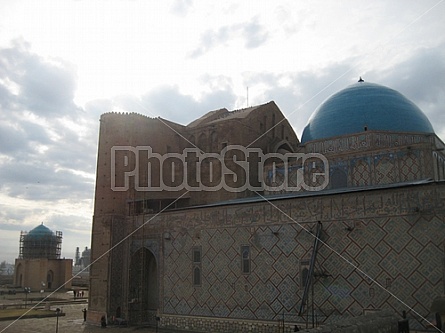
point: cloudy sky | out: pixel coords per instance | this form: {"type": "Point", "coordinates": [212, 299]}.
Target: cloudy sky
{"type": "Point", "coordinates": [64, 63]}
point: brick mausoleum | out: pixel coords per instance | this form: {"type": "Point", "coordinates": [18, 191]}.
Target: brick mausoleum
{"type": "Point", "coordinates": [39, 265]}
{"type": "Point", "coordinates": [365, 232]}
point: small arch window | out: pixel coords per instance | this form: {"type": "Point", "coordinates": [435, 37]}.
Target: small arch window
{"type": "Point", "coordinates": [197, 268]}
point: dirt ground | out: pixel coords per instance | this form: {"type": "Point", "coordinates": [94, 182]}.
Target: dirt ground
{"type": "Point", "coordinates": [70, 322]}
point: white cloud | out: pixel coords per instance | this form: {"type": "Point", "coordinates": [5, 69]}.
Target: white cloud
{"type": "Point", "coordinates": [252, 33]}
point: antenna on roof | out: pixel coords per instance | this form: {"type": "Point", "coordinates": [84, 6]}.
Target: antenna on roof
{"type": "Point", "coordinates": [247, 97]}
{"type": "Point", "coordinates": [361, 80]}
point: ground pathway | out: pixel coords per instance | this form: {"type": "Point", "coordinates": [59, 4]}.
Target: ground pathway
{"type": "Point", "coordinates": [70, 322]}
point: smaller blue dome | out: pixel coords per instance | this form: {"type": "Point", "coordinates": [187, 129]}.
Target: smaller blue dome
{"type": "Point", "coordinates": [363, 107]}
{"type": "Point", "coordinates": [40, 231]}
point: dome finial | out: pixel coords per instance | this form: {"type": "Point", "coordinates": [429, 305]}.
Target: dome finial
{"type": "Point", "coordinates": [361, 80]}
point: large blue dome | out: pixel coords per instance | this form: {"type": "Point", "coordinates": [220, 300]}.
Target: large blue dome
{"type": "Point", "coordinates": [363, 107]}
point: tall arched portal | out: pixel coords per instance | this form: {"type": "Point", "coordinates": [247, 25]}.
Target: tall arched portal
{"type": "Point", "coordinates": [143, 287]}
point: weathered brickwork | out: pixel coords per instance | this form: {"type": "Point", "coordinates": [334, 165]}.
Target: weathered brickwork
{"type": "Point", "coordinates": [378, 322]}
{"type": "Point", "coordinates": [262, 127]}
{"type": "Point", "coordinates": [206, 324]}
{"type": "Point", "coordinates": [382, 249]}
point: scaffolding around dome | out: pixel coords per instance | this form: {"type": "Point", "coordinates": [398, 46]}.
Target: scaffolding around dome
{"type": "Point", "coordinates": [40, 245]}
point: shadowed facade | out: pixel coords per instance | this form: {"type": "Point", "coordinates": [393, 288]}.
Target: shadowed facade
{"type": "Point", "coordinates": [225, 260]}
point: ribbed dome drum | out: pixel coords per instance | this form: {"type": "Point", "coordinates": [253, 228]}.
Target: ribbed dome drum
{"type": "Point", "coordinates": [365, 106]}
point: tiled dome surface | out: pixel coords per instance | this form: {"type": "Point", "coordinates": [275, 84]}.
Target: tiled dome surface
{"type": "Point", "coordinates": [365, 106]}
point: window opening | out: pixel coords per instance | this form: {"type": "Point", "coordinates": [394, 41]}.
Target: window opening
{"type": "Point", "coordinates": [245, 259]}
{"type": "Point", "coordinates": [197, 269]}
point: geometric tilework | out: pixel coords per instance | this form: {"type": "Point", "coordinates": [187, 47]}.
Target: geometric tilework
{"type": "Point", "coordinates": [378, 168]}
{"type": "Point", "coordinates": [401, 253]}
{"type": "Point", "coordinates": [396, 249]}
{"type": "Point", "coordinates": [361, 175]}
{"type": "Point", "coordinates": [385, 170]}
{"type": "Point", "coordinates": [402, 267]}
{"type": "Point", "coordinates": [225, 289]}
{"type": "Point", "coordinates": [409, 167]}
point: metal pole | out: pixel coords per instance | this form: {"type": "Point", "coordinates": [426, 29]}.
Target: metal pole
{"type": "Point", "coordinates": [57, 320]}
{"type": "Point", "coordinates": [283, 321]}
{"type": "Point", "coordinates": [313, 309]}
{"type": "Point", "coordinates": [27, 290]}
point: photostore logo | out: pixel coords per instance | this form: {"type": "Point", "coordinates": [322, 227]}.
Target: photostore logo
{"type": "Point", "coordinates": [235, 169]}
